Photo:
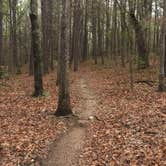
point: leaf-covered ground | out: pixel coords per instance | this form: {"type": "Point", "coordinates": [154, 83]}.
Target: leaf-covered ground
{"type": "Point", "coordinates": [27, 125]}
{"type": "Point", "coordinates": [131, 129]}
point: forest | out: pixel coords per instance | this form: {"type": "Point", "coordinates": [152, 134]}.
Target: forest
{"type": "Point", "coordinates": [82, 82]}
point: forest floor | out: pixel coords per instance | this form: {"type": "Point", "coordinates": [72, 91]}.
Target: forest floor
{"type": "Point", "coordinates": [128, 128]}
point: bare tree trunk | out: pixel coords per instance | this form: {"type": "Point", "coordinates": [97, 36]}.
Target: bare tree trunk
{"type": "Point", "coordinates": [36, 48]}
{"type": "Point", "coordinates": [11, 66]}
{"type": "Point", "coordinates": [94, 37]}
{"type": "Point", "coordinates": [140, 38]}
{"type": "Point", "coordinates": [123, 32]}
{"type": "Point", "coordinates": [64, 107]}
{"type": "Point", "coordinates": [107, 37]}
{"type": "Point", "coordinates": [59, 49]}
{"type": "Point", "coordinates": [45, 36]}
{"type": "Point", "coordinates": [161, 86]}
{"type": "Point", "coordinates": [114, 31]}
{"type": "Point", "coordinates": [85, 38]}
{"type": "Point", "coordinates": [14, 38]}
{"type": "Point", "coordinates": [1, 35]}
{"type": "Point", "coordinates": [31, 65]}
{"type": "Point", "coordinates": [51, 34]}
{"type": "Point", "coordinates": [76, 33]}
{"type": "Point", "coordinates": [100, 38]}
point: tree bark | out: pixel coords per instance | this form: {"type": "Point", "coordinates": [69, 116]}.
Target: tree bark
{"type": "Point", "coordinates": [76, 33]}
{"type": "Point", "coordinates": [140, 38]}
{"type": "Point", "coordinates": [1, 35]}
{"type": "Point", "coordinates": [107, 37]}
{"type": "Point", "coordinates": [123, 32]}
{"type": "Point", "coordinates": [100, 34]}
{"type": "Point", "coordinates": [51, 34]}
{"type": "Point", "coordinates": [85, 37]}
{"type": "Point", "coordinates": [45, 35]}
{"type": "Point", "coordinates": [161, 86]}
{"type": "Point", "coordinates": [94, 31]}
{"type": "Point", "coordinates": [64, 107]}
{"type": "Point", "coordinates": [114, 32]}
{"type": "Point", "coordinates": [31, 64]}
{"type": "Point", "coordinates": [35, 40]}
{"type": "Point", "coordinates": [14, 38]}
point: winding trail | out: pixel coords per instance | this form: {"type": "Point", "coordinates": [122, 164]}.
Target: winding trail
{"type": "Point", "coordinates": [67, 150]}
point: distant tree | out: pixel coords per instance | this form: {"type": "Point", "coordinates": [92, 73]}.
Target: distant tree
{"type": "Point", "coordinates": [45, 42]}
{"type": "Point", "coordinates": [94, 30]}
{"type": "Point", "coordinates": [76, 33]}
{"type": "Point", "coordinates": [107, 36]}
{"type": "Point", "coordinates": [114, 32]}
{"type": "Point", "coordinates": [13, 32]}
{"type": "Point", "coordinates": [36, 50]}
{"type": "Point", "coordinates": [140, 37]}
{"type": "Point", "coordinates": [123, 31]}
{"type": "Point", "coordinates": [64, 107]}
{"type": "Point", "coordinates": [100, 29]}
{"type": "Point", "coordinates": [51, 33]}
{"type": "Point", "coordinates": [85, 34]}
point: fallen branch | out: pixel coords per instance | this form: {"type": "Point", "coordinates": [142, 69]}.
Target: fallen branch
{"type": "Point", "coordinates": [148, 82]}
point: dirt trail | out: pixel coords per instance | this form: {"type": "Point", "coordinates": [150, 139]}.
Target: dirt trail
{"type": "Point", "coordinates": [67, 150]}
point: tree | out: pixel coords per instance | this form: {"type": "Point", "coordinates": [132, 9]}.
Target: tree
{"type": "Point", "coordinates": [140, 37]}
{"type": "Point", "coordinates": [45, 43]}
{"type": "Point", "coordinates": [64, 107]}
{"type": "Point", "coordinates": [31, 65]}
{"type": "Point", "coordinates": [161, 86]}
{"type": "Point", "coordinates": [1, 33]}
{"type": "Point", "coordinates": [123, 31]}
{"type": "Point", "coordinates": [76, 33]}
{"type": "Point", "coordinates": [85, 37]}
{"type": "Point", "coordinates": [114, 31]}
{"type": "Point", "coordinates": [51, 34]}
{"type": "Point", "coordinates": [94, 31]}
{"type": "Point", "coordinates": [35, 44]}
{"type": "Point", "coordinates": [107, 37]}
{"type": "Point", "coordinates": [13, 31]}
{"type": "Point", "coordinates": [59, 41]}
{"type": "Point", "coordinates": [100, 31]}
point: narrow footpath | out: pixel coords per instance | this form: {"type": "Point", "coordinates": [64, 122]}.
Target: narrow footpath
{"type": "Point", "coordinates": [66, 151]}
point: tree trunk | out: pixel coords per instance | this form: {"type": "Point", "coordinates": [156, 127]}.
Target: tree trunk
{"type": "Point", "coordinates": [161, 86]}
{"type": "Point", "coordinates": [114, 32]}
{"type": "Point", "coordinates": [51, 34]}
{"type": "Point", "coordinates": [123, 32]}
{"type": "Point", "coordinates": [100, 42]}
{"type": "Point", "coordinates": [85, 37]}
{"type": "Point", "coordinates": [59, 49]}
{"type": "Point", "coordinates": [64, 107]}
{"type": "Point", "coordinates": [107, 37]}
{"type": "Point", "coordinates": [31, 64]}
{"type": "Point", "coordinates": [1, 35]}
{"type": "Point", "coordinates": [76, 33]}
{"type": "Point", "coordinates": [94, 37]}
{"type": "Point", "coordinates": [140, 38]}
{"type": "Point", "coordinates": [14, 38]}
{"type": "Point", "coordinates": [35, 44]}
{"type": "Point", "coordinates": [45, 35]}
